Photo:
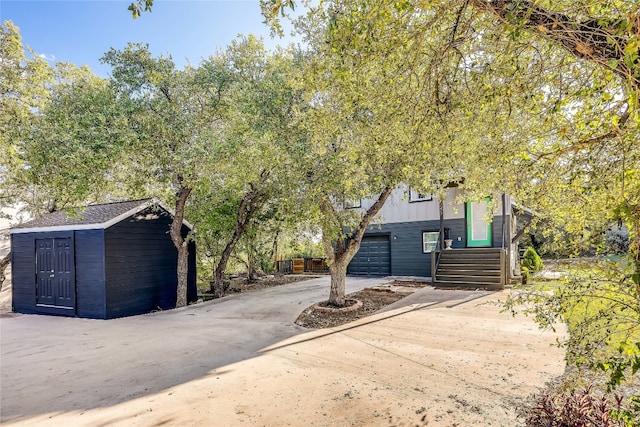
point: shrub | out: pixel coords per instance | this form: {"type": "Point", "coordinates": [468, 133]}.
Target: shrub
{"type": "Point", "coordinates": [575, 409]}
{"type": "Point", "coordinates": [531, 263]}
{"type": "Point", "coordinates": [617, 240]}
{"type": "Point", "coordinates": [531, 260]}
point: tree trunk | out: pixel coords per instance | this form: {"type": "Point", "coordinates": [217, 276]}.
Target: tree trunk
{"type": "Point", "coordinates": [181, 246]}
{"type": "Point", "coordinates": [217, 285]}
{"type": "Point", "coordinates": [218, 288]}
{"type": "Point", "coordinates": [251, 259]}
{"type": "Point", "coordinates": [338, 271]}
{"type": "Point", "coordinates": [4, 262]}
{"type": "Point", "coordinates": [183, 274]}
{"type": "Point", "coordinates": [246, 209]}
{"type": "Point", "coordinates": [340, 253]}
{"type": "Point", "coordinates": [275, 252]}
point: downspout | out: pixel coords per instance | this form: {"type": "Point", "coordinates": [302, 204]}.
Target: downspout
{"type": "Point", "coordinates": [435, 256]}
{"type": "Point", "coordinates": [441, 234]}
{"type": "Point", "coordinates": [504, 215]}
{"type": "Point", "coordinates": [506, 239]}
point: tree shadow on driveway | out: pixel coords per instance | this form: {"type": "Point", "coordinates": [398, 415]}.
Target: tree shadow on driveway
{"type": "Point", "coordinates": [56, 364]}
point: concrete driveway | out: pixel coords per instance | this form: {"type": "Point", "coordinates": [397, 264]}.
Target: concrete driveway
{"type": "Point", "coordinates": [442, 357]}
{"type": "Point", "coordinates": [58, 364]}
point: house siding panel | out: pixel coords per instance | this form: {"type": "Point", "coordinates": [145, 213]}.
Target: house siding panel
{"type": "Point", "coordinates": [192, 289]}
{"type": "Point", "coordinates": [497, 230]}
{"type": "Point", "coordinates": [400, 209]}
{"type": "Point", "coordinates": [407, 257]}
{"type": "Point", "coordinates": [23, 269]}
{"type": "Point", "coordinates": [124, 269]}
{"type": "Point", "coordinates": [23, 273]}
{"type": "Point", "coordinates": [90, 274]}
{"type": "Point", "coordinates": [141, 267]}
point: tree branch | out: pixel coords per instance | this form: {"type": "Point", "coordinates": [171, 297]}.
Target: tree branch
{"type": "Point", "coordinates": [579, 145]}
{"type": "Point", "coordinates": [373, 210]}
{"type": "Point", "coordinates": [600, 42]}
{"type": "Point", "coordinates": [4, 262]}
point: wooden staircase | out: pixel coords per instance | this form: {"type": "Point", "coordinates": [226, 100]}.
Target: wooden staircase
{"type": "Point", "coordinates": [481, 268]}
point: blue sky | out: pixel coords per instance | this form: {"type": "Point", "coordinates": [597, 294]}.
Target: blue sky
{"type": "Point", "coordinates": [81, 31]}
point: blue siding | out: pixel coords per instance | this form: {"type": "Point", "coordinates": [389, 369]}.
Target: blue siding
{"type": "Point", "coordinates": [23, 271]}
{"type": "Point", "coordinates": [90, 274]}
{"type": "Point", "coordinates": [497, 230]}
{"type": "Point", "coordinates": [130, 268]}
{"type": "Point", "coordinates": [141, 263]}
{"type": "Point", "coordinates": [407, 258]}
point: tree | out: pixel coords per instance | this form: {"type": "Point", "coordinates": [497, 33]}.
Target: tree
{"type": "Point", "coordinates": [75, 145]}
{"type": "Point", "coordinates": [24, 91]}
{"type": "Point", "coordinates": [175, 115]}
{"type": "Point", "coordinates": [545, 93]}
{"type": "Point", "coordinates": [60, 132]}
{"type": "Point", "coordinates": [259, 128]}
{"type": "Point", "coordinates": [604, 34]}
{"type": "Point", "coordinates": [377, 117]}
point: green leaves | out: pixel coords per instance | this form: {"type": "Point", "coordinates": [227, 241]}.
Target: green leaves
{"type": "Point", "coordinates": [140, 6]}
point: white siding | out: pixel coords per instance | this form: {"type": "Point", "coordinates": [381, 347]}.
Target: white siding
{"type": "Point", "coordinates": [398, 208]}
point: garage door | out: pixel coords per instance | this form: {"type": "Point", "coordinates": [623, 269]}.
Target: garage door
{"type": "Point", "coordinates": [373, 258]}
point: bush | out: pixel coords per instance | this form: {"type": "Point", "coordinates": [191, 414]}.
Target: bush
{"type": "Point", "coordinates": [617, 240]}
{"type": "Point", "coordinates": [531, 261]}
{"type": "Point", "coordinates": [576, 409]}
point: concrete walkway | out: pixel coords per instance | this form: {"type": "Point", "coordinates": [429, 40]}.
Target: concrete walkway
{"type": "Point", "coordinates": [446, 359]}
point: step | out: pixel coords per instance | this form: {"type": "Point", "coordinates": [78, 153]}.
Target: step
{"type": "Point", "coordinates": [457, 257]}
{"type": "Point", "coordinates": [467, 266]}
{"type": "Point", "coordinates": [468, 272]}
{"type": "Point", "coordinates": [463, 278]}
{"type": "Point", "coordinates": [473, 255]}
{"type": "Point", "coordinates": [467, 285]}
{"type": "Point", "coordinates": [472, 250]}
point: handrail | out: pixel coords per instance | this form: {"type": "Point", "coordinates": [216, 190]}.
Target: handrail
{"type": "Point", "coordinates": [503, 270]}
{"type": "Point", "coordinates": [435, 262]}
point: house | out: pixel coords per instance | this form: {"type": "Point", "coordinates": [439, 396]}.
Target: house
{"type": "Point", "coordinates": [404, 239]}
{"type": "Point", "coordinates": [105, 261]}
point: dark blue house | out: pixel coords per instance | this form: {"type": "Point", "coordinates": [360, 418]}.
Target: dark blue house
{"type": "Point", "coordinates": [457, 242]}
{"type": "Point", "coordinates": [104, 261]}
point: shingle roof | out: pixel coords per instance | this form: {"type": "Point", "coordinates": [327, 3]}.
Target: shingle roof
{"type": "Point", "coordinates": [91, 215]}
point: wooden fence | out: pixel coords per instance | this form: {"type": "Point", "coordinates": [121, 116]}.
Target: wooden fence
{"type": "Point", "coordinates": [302, 265]}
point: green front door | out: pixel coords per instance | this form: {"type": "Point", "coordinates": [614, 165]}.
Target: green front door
{"type": "Point", "coordinates": [478, 230]}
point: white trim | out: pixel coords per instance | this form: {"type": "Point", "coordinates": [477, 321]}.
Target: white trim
{"type": "Point", "coordinates": [155, 201]}
{"type": "Point", "coordinates": [416, 196]}
{"type": "Point", "coordinates": [55, 306]}
{"type": "Point", "coordinates": [435, 242]}
{"type": "Point", "coordinates": [100, 226]}
{"type": "Point", "coordinates": [57, 228]}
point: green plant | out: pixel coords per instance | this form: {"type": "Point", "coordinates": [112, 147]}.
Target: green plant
{"type": "Point", "coordinates": [531, 263]}
{"type": "Point", "coordinates": [574, 409]}
{"type": "Point", "coordinates": [598, 301]}
{"type": "Point", "coordinates": [531, 260]}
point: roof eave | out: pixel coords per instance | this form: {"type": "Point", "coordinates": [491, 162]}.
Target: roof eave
{"type": "Point", "coordinates": [104, 225]}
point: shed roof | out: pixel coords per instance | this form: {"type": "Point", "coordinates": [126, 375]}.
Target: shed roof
{"type": "Point", "coordinates": [91, 217]}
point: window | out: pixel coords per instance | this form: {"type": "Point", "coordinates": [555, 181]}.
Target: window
{"type": "Point", "coordinates": [429, 241]}
{"type": "Point", "coordinates": [416, 196]}
{"type": "Point", "coordinates": [352, 203]}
